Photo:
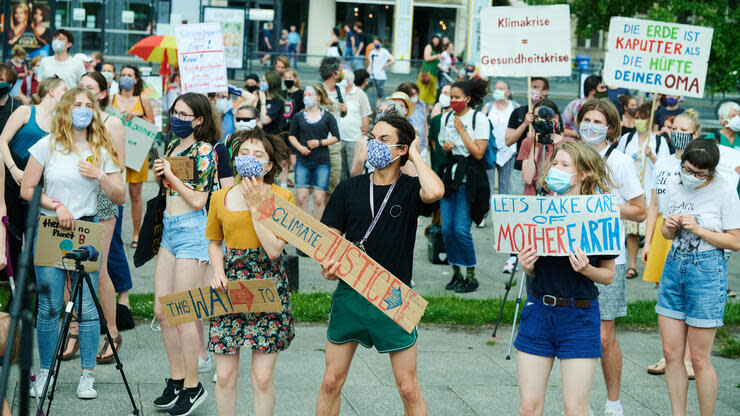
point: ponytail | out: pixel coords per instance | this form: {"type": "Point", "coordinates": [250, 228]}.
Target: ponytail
{"type": "Point", "coordinates": [45, 85]}
{"type": "Point", "coordinates": [475, 88]}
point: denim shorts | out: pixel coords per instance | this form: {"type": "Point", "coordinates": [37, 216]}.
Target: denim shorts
{"type": "Point", "coordinates": [312, 175]}
{"type": "Point", "coordinates": [184, 235]}
{"type": "Point", "coordinates": [559, 331]}
{"type": "Point", "coordinates": [693, 287]}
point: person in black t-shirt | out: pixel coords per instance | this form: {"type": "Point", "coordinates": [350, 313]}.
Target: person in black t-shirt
{"type": "Point", "coordinates": [293, 104]}
{"type": "Point", "coordinates": [561, 317]}
{"type": "Point", "coordinates": [397, 201]}
{"type": "Point", "coordinates": [271, 103]}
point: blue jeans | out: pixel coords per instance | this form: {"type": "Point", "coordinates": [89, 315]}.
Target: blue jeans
{"type": "Point", "coordinates": [456, 235]}
{"type": "Point", "coordinates": [312, 175]}
{"type": "Point", "coordinates": [293, 52]}
{"type": "Point", "coordinates": [504, 177]}
{"type": "Point", "coordinates": [184, 235]}
{"type": "Point", "coordinates": [50, 304]}
{"type": "Point", "coordinates": [379, 85]}
{"type": "Point", "coordinates": [118, 269]}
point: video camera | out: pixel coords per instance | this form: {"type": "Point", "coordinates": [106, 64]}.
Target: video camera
{"type": "Point", "coordinates": [544, 127]}
{"type": "Point", "coordinates": [84, 253]}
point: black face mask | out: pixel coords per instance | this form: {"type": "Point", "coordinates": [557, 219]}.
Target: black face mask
{"type": "Point", "coordinates": [251, 88]}
{"type": "Point", "coordinates": [4, 89]}
{"type": "Point", "coordinates": [289, 83]}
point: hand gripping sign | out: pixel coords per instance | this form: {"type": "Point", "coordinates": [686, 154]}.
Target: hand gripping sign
{"type": "Point", "coordinates": [371, 280]}
{"type": "Point", "coordinates": [555, 226]}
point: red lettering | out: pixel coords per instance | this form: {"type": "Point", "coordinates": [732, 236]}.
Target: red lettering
{"type": "Point", "coordinates": [548, 239]}
{"type": "Point", "coordinates": [522, 238]}
{"type": "Point", "coordinates": [388, 291]}
{"type": "Point", "coordinates": [345, 255]}
{"type": "Point", "coordinates": [368, 262]}
{"type": "Point", "coordinates": [82, 239]}
{"type": "Point", "coordinates": [505, 233]}
{"type": "Point", "coordinates": [561, 247]}
{"type": "Point", "coordinates": [336, 240]}
{"type": "Point", "coordinates": [369, 286]}
{"type": "Point", "coordinates": [677, 48]}
{"type": "Point", "coordinates": [399, 311]}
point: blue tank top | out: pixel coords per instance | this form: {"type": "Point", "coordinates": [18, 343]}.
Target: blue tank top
{"type": "Point", "coordinates": [24, 138]}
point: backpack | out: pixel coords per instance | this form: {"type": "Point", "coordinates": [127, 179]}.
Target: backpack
{"type": "Point", "coordinates": [489, 156]}
{"type": "Point", "coordinates": [658, 141]}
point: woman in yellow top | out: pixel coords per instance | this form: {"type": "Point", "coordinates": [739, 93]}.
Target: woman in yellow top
{"type": "Point", "coordinates": [252, 252]}
{"type": "Point", "coordinates": [130, 101]}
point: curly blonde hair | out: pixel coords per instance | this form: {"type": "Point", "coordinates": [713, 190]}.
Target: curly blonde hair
{"type": "Point", "coordinates": [97, 135]}
{"type": "Point", "coordinates": [589, 164]}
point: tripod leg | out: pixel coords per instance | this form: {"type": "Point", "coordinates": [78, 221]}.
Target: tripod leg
{"type": "Point", "coordinates": [103, 324]}
{"type": "Point", "coordinates": [503, 301]}
{"type": "Point", "coordinates": [516, 313]}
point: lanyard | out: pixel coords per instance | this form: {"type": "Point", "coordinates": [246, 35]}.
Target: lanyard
{"type": "Point", "coordinates": [376, 217]}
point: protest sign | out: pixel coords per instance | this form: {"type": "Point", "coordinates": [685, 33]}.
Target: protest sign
{"type": "Point", "coordinates": [357, 269]}
{"type": "Point", "coordinates": [183, 167]}
{"type": "Point", "coordinates": [525, 41]}
{"type": "Point", "coordinates": [200, 57]}
{"type": "Point", "coordinates": [242, 296]}
{"type": "Point", "coordinates": [729, 159]}
{"type": "Point", "coordinates": [555, 226]}
{"type": "Point", "coordinates": [53, 242]}
{"type": "Point", "coordinates": [659, 57]}
{"type": "Point", "coordinates": [140, 135]}
{"type": "Point", "coordinates": [232, 29]}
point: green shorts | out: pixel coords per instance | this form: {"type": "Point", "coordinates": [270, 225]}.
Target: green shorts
{"type": "Point", "coordinates": [353, 318]}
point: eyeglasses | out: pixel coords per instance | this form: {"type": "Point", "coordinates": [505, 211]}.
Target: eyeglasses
{"type": "Point", "coordinates": [244, 119]}
{"type": "Point", "coordinates": [699, 175]}
{"type": "Point", "coordinates": [180, 115]}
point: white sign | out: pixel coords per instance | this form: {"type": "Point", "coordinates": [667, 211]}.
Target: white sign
{"type": "Point", "coordinates": [729, 159]}
{"type": "Point", "coordinates": [402, 37]}
{"type": "Point", "coordinates": [78, 14]}
{"type": "Point", "coordinates": [659, 57]}
{"type": "Point", "coordinates": [525, 41]}
{"type": "Point", "coordinates": [140, 134]}
{"type": "Point", "coordinates": [265, 15]}
{"type": "Point", "coordinates": [127, 16]}
{"type": "Point", "coordinates": [232, 28]}
{"type": "Point", "coordinates": [200, 55]}
{"type": "Point", "coordinates": [474, 25]}
{"type": "Point", "coordinates": [555, 226]}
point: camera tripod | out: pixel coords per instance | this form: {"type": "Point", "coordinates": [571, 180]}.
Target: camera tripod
{"type": "Point", "coordinates": [75, 302]}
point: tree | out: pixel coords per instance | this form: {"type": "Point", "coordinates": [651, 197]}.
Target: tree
{"type": "Point", "coordinates": [723, 73]}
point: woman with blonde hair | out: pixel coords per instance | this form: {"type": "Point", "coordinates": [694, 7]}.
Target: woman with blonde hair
{"type": "Point", "coordinates": [562, 309]}
{"type": "Point", "coordinates": [76, 159]}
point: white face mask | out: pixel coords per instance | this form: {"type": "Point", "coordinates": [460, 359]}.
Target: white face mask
{"type": "Point", "coordinates": [499, 94]}
{"type": "Point", "coordinates": [734, 123]}
{"type": "Point", "coordinates": [444, 100]}
{"type": "Point", "coordinates": [414, 99]}
{"type": "Point", "coordinates": [246, 125]}
{"type": "Point", "coordinates": [691, 181]}
{"type": "Point", "coordinates": [108, 76]}
{"type": "Point", "coordinates": [58, 46]}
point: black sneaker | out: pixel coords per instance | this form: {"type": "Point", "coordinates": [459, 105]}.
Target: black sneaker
{"type": "Point", "coordinates": [189, 400]}
{"type": "Point", "coordinates": [454, 283]}
{"type": "Point", "coordinates": [170, 394]}
{"type": "Point", "coordinates": [467, 286]}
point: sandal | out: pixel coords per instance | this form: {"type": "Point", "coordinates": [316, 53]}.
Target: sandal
{"type": "Point", "coordinates": [658, 368]}
{"type": "Point", "coordinates": [106, 359]}
{"type": "Point", "coordinates": [134, 244]}
{"type": "Point", "coordinates": [689, 369]}
{"type": "Point", "coordinates": [631, 273]}
{"type": "Point", "coordinates": [76, 339]}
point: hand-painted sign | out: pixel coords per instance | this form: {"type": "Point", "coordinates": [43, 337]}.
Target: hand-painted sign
{"type": "Point", "coordinates": [140, 134]}
{"type": "Point", "coordinates": [201, 58]}
{"type": "Point", "coordinates": [525, 41]}
{"type": "Point", "coordinates": [53, 242]}
{"type": "Point", "coordinates": [357, 269]}
{"type": "Point", "coordinates": [660, 57]}
{"type": "Point", "coordinates": [555, 226]}
{"type": "Point", "coordinates": [242, 296]}
{"type": "Point", "coordinates": [183, 167]}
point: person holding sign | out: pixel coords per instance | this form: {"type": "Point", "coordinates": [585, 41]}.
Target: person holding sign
{"type": "Point", "coordinates": [252, 252]}
{"type": "Point", "coordinates": [692, 293]}
{"type": "Point", "coordinates": [464, 136]}
{"type": "Point", "coordinates": [183, 253]}
{"type": "Point", "coordinates": [599, 127]}
{"type": "Point", "coordinates": [76, 159]}
{"type": "Point", "coordinates": [560, 316]}
{"type": "Point", "coordinates": [130, 101]}
{"type": "Point", "coordinates": [386, 232]}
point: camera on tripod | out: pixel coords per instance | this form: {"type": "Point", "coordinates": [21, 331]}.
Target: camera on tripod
{"type": "Point", "coordinates": [83, 253]}
{"type": "Point", "coordinates": [544, 127]}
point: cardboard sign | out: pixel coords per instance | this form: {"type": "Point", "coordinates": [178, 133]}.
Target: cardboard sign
{"type": "Point", "coordinates": [660, 57]}
{"type": "Point", "coordinates": [555, 226]}
{"type": "Point", "coordinates": [53, 242]}
{"type": "Point", "coordinates": [140, 134]}
{"type": "Point", "coordinates": [242, 296]}
{"type": "Point", "coordinates": [357, 269]}
{"type": "Point", "coordinates": [525, 41]}
{"type": "Point", "coordinates": [201, 59]}
{"type": "Point", "coordinates": [729, 159]}
{"type": "Point", "coordinates": [183, 167]}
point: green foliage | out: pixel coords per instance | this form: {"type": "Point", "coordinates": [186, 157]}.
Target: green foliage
{"type": "Point", "coordinates": [722, 15]}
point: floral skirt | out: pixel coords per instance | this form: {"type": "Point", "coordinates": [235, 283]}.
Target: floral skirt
{"type": "Point", "coordinates": [266, 332]}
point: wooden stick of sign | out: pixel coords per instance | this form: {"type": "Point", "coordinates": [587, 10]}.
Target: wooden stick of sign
{"type": "Point", "coordinates": [529, 103]}
{"type": "Point", "coordinates": [371, 280]}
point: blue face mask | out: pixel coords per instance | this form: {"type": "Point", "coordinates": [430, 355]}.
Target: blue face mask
{"type": "Point", "coordinates": [671, 101]}
{"type": "Point", "coordinates": [264, 86]}
{"type": "Point", "coordinates": [379, 154]}
{"type": "Point", "coordinates": [181, 128]}
{"type": "Point", "coordinates": [591, 133]}
{"type": "Point", "coordinates": [249, 166]}
{"type": "Point", "coordinates": [558, 181]}
{"type": "Point", "coordinates": [81, 118]}
{"type": "Point", "coordinates": [126, 83]}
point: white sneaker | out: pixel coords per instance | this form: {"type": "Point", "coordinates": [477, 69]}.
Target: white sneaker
{"type": "Point", "coordinates": [206, 365]}
{"type": "Point", "coordinates": [509, 266]}
{"type": "Point", "coordinates": [215, 377]}
{"type": "Point", "coordinates": [86, 387]}
{"type": "Point", "coordinates": [37, 387]}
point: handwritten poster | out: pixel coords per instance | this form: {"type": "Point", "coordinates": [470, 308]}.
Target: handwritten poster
{"type": "Point", "coordinates": [201, 59]}
{"type": "Point", "coordinates": [242, 296]}
{"type": "Point", "coordinates": [53, 242]}
{"type": "Point", "coordinates": [729, 159]}
{"type": "Point", "coordinates": [357, 269]}
{"type": "Point", "coordinates": [232, 29]}
{"type": "Point", "coordinates": [140, 134]}
{"type": "Point", "coordinates": [525, 41]}
{"type": "Point", "coordinates": [555, 226]}
{"type": "Point", "coordinates": [659, 57]}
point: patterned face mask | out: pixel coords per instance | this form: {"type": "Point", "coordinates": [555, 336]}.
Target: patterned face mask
{"type": "Point", "coordinates": [249, 166]}
{"type": "Point", "coordinates": [379, 154]}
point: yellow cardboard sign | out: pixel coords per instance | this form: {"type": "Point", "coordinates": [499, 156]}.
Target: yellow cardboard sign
{"type": "Point", "coordinates": [357, 269]}
{"type": "Point", "coordinates": [53, 242]}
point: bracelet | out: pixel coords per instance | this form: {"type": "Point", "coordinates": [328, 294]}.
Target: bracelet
{"type": "Point", "coordinates": [12, 166]}
{"type": "Point", "coordinates": [320, 143]}
{"type": "Point", "coordinates": [100, 177]}
{"type": "Point", "coordinates": [57, 204]}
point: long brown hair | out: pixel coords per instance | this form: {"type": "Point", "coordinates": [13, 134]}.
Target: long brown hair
{"type": "Point", "coordinates": [588, 163]}
{"type": "Point", "coordinates": [605, 107]}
